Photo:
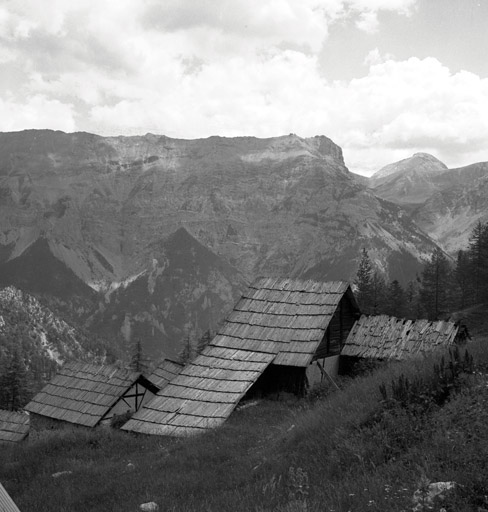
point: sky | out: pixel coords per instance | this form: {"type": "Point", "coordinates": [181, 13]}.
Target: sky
{"type": "Point", "coordinates": [384, 79]}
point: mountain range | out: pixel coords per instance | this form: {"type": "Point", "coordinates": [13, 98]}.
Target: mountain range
{"type": "Point", "coordinates": [444, 203]}
{"type": "Point", "coordinates": [155, 238]}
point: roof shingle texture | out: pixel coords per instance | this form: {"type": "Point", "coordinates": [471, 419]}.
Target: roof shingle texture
{"type": "Point", "coordinates": [82, 393]}
{"type": "Point", "coordinates": [14, 426]}
{"type": "Point", "coordinates": [387, 337]}
{"type": "Point", "coordinates": [165, 372]}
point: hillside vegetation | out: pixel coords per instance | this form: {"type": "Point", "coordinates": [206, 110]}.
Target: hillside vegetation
{"type": "Point", "coordinates": [369, 446]}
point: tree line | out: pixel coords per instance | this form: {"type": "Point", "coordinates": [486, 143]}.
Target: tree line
{"type": "Point", "coordinates": [443, 286]}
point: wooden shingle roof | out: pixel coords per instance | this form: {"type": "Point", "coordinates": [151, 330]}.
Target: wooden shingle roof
{"type": "Point", "coordinates": [82, 393]}
{"type": "Point", "coordinates": [277, 321]}
{"type": "Point", "coordinates": [284, 317]}
{"type": "Point", "coordinates": [165, 372]}
{"type": "Point", "coordinates": [203, 395]}
{"type": "Point", "coordinates": [387, 337]}
{"type": "Point", "coordinates": [6, 502]}
{"type": "Point", "coordinates": [14, 426]}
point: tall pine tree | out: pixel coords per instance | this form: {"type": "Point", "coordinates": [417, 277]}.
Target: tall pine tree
{"type": "Point", "coordinates": [15, 383]}
{"type": "Point", "coordinates": [378, 294]}
{"type": "Point", "coordinates": [395, 300]}
{"type": "Point", "coordinates": [138, 362]}
{"type": "Point", "coordinates": [364, 283]}
{"type": "Point", "coordinates": [436, 286]}
{"type": "Point", "coordinates": [478, 254]}
{"type": "Point", "coordinates": [463, 277]}
{"type": "Point", "coordinates": [187, 352]}
{"type": "Point", "coordinates": [204, 341]}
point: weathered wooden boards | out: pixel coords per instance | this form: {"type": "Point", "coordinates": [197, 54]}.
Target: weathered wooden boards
{"type": "Point", "coordinates": [165, 372]}
{"type": "Point", "coordinates": [386, 337]}
{"type": "Point", "coordinates": [82, 393]}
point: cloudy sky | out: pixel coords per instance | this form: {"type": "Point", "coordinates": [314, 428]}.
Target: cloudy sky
{"type": "Point", "coordinates": [382, 78]}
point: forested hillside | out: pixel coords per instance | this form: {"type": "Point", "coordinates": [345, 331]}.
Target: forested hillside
{"type": "Point", "coordinates": [34, 342]}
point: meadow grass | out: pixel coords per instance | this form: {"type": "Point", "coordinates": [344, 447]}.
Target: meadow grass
{"type": "Point", "coordinates": [345, 452]}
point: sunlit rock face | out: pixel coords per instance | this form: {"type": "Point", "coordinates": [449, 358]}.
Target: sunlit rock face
{"type": "Point", "coordinates": [410, 181]}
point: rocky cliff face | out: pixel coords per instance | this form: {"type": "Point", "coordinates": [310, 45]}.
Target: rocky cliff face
{"type": "Point", "coordinates": [274, 206]}
{"type": "Point", "coordinates": [450, 214]}
{"type": "Point", "coordinates": [282, 206]}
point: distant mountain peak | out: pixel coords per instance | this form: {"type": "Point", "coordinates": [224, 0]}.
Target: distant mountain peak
{"type": "Point", "coordinates": [418, 162]}
{"type": "Point", "coordinates": [428, 156]}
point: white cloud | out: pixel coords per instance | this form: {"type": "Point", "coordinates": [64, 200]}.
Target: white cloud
{"type": "Point", "coordinates": [194, 69]}
{"type": "Point", "coordinates": [413, 105]}
{"type": "Point", "coordinates": [404, 7]}
{"type": "Point", "coordinates": [37, 112]}
{"type": "Point", "coordinates": [368, 21]}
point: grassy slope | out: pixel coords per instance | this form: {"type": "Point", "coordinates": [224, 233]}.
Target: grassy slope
{"type": "Point", "coordinates": [327, 456]}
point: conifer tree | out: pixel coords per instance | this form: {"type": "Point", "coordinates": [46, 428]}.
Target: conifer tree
{"type": "Point", "coordinates": [395, 300]}
{"type": "Point", "coordinates": [436, 286]}
{"type": "Point", "coordinates": [378, 294]}
{"type": "Point", "coordinates": [203, 341]}
{"type": "Point", "coordinates": [364, 283]}
{"type": "Point", "coordinates": [463, 274]}
{"type": "Point", "coordinates": [138, 362]}
{"type": "Point", "coordinates": [412, 299]}
{"type": "Point", "coordinates": [478, 252]}
{"type": "Point", "coordinates": [15, 383]}
{"type": "Point", "coordinates": [187, 352]}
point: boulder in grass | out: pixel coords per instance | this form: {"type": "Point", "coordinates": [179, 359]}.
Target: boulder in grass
{"type": "Point", "coordinates": [424, 497]}
{"type": "Point", "coordinates": [149, 507]}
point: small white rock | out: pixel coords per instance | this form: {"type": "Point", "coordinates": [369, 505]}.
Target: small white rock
{"type": "Point", "coordinates": [149, 507]}
{"type": "Point", "coordinates": [131, 466]}
{"type": "Point", "coordinates": [61, 473]}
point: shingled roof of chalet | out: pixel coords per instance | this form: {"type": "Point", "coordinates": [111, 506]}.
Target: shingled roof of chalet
{"type": "Point", "coordinates": [82, 393]}
{"type": "Point", "coordinates": [387, 337]}
{"type": "Point", "coordinates": [165, 372]}
{"type": "Point", "coordinates": [14, 426]}
{"type": "Point", "coordinates": [277, 321]}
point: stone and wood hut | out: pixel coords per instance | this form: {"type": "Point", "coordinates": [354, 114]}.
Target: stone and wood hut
{"type": "Point", "coordinates": [281, 332]}
{"type": "Point", "coordinates": [88, 395]}
{"type": "Point", "coordinates": [14, 426]}
{"type": "Point", "coordinates": [385, 337]}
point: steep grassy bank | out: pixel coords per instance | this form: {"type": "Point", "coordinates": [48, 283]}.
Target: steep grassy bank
{"type": "Point", "coordinates": [351, 451]}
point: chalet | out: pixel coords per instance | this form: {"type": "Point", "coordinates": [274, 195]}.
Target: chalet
{"type": "Point", "coordinates": [88, 395]}
{"type": "Point", "coordinates": [6, 502]}
{"type": "Point", "coordinates": [280, 333]}
{"type": "Point", "coordinates": [165, 372]}
{"type": "Point", "coordinates": [14, 426]}
{"type": "Point", "coordinates": [388, 338]}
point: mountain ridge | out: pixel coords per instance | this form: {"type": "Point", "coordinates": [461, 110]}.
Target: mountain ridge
{"type": "Point", "coordinates": [106, 207]}
{"type": "Point", "coordinates": [444, 203]}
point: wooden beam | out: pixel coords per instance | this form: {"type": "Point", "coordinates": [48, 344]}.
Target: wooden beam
{"type": "Point", "coordinates": [326, 375]}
